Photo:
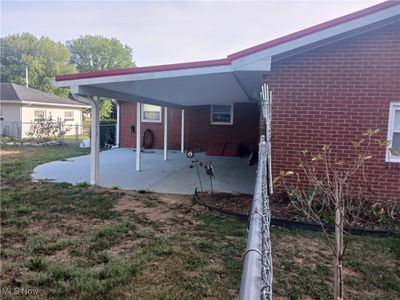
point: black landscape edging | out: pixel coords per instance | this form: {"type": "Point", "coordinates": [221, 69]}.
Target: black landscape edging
{"type": "Point", "coordinates": [296, 224]}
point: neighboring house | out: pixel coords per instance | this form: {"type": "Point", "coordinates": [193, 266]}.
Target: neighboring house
{"type": "Point", "coordinates": [330, 83]}
{"type": "Point", "coordinates": [22, 106]}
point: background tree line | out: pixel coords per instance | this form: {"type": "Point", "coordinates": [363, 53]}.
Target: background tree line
{"type": "Point", "coordinates": [45, 58]}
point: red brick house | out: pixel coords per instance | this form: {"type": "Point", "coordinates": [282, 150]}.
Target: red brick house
{"type": "Point", "coordinates": [329, 82]}
{"type": "Point", "coordinates": [199, 126]}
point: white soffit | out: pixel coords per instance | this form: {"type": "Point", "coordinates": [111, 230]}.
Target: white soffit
{"type": "Point", "coordinates": [222, 88]}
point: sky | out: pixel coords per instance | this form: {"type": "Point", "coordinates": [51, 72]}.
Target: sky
{"type": "Point", "coordinates": [164, 32]}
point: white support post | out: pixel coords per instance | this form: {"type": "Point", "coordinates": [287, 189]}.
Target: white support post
{"type": "Point", "coordinates": [117, 125]}
{"type": "Point", "coordinates": [183, 131]}
{"type": "Point", "coordinates": [165, 133]}
{"type": "Point", "coordinates": [95, 142]}
{"type": "Point", "coordinates": [138, 134]}
{"type": "Point", "coordinates": [77, 141]}
{"type": "Point", "coordinates": [94, 132]}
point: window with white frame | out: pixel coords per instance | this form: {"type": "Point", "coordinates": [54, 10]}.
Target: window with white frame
{"type": "Point", "coordinates": [394, 133]}
{"type": "Point", "coordinates": [222, 114]}
{"type": "Point", "coordinates": [69, 115]}
{"type": "Point", "coordinates": [39, 114]}
{"type": "Point", "coordinates": [151, 113]}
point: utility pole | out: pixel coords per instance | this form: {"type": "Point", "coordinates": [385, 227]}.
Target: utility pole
{"type": "Point", "coordinates": [26, 77]}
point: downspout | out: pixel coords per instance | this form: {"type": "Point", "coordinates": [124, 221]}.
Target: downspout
{"type": "Point", "coordinates": [94, 135]}
{"type": "Point", "coordinates": [118, 124]}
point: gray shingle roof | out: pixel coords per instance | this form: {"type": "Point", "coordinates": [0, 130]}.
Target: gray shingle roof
{"type": "Point", "coordinates": [15, 92]}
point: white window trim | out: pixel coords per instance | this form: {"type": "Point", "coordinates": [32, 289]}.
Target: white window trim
{"type": "Point", "coordinates": [221, 123]}
{"type": "Point", "coordinates": [142, 119]}
{"type": "Point", "coordinates": [38, 118]}
{"type": "Point", "coordinates": [393, 107]}
{"type": "Point", "coordinates": [69, 118]}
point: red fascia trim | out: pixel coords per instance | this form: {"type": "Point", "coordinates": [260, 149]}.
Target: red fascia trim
{"type": "Point", "coordinates": [313, 29]}
{"type": "Point", "coordinates": [169, 67]}
{"type": "Point", "coordinates": [236, 55]}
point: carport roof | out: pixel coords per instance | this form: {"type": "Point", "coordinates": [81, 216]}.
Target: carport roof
{"type": "Point", "coordinates": [236, 78]}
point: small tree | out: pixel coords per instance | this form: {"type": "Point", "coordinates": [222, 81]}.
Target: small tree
{"type": "Point", "coordinates": [339, 191]}
{"type": "Point", "coordinates": [106, 108]}
{"type": "Point", "coordinates": [48, 128]}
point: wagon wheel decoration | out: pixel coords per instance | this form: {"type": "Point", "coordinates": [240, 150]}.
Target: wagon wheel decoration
{"type": "Point", "coordinates": [148, 139]}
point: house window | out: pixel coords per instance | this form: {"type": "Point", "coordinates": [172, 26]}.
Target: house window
{"type": "Point", "coordinates": [151, 113]}
{"type": "Point", "coordinates": [222, 114]}
{"type": "Point", "coordinates": [69, 115]}
{"type": "Point", "coordinates": [40, 114]}
{"type": "Point", "coordinates": [394, 132]}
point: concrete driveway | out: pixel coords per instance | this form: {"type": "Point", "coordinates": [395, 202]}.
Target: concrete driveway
{"type": "Point", "coordinates": [117, 168]}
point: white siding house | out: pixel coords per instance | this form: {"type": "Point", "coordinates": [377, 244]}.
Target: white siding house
{"type": "Point", "coordinates": [21, 106]}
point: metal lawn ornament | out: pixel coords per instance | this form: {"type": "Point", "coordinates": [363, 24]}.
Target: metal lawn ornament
{"type": "Point", "coordinates": [196, 162]}
{"type": "Point", "coordinates": [190, 154]}
{"type": "Point", "coordinates": [210, 172]}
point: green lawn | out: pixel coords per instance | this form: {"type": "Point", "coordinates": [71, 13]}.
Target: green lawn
{"type": "Point", "coordinates": [71, 242]}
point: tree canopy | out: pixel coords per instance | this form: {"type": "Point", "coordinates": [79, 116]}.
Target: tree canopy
{"type": "Point", "coordinates": [43, 58]}
{"type": "Point", "coordinates": [96, 53]}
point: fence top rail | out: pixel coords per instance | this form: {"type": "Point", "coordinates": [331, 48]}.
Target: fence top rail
{"type": "Point", "coordinates": [257, 267]}
{"type": "Point", "coordinates": [253, 284]}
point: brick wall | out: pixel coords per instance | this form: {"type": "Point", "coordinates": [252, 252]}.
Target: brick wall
{"type": "Point", "coordinates": [128, 118]}
{"type": "Point", "coordinates": [331, 94]}
{"type": "Point", "coordinates": [198, 130]}
{"type": "Point", "coordinates": [243, 130]}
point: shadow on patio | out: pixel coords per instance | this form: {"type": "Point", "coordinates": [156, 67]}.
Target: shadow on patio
{"type": "Point", "coordinates": [117, 168]}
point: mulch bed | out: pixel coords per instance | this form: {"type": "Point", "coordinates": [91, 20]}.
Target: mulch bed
{"type": "Point", "coordinates": [241, 204]}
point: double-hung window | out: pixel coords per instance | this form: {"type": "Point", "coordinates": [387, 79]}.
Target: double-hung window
{"type": "Point", "coordinates": [151, 113]}
{"type": "Point", "coordinates": [222, 114]}
{"type": "Point", "coordinates": [394, 133]}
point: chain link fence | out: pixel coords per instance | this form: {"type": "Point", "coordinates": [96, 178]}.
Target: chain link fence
{"type": "Point", "coordinates": [71, 134]}
{"type": "Point", "coordinates": [257, 273]}
{"type": "Point", "coordinates": [266, 252]}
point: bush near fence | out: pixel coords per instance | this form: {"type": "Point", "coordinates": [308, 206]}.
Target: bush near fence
{"type": "Point", "coordinates": [74, 133]}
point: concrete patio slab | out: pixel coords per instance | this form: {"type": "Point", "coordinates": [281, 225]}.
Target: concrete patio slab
{"type": "Point", "coordinates": [117, 168]}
